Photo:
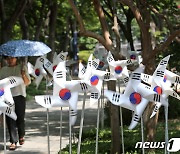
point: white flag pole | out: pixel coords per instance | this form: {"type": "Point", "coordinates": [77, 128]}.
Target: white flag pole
{"type": "Point", "coordinates": [97, 128]}
{"type": "Point", "coordinates": [121, 120]}
{"type": "Point", "coordinates": [122, 132]}
{"type": "Point", "coordinates": [60, 133]}
{"type": "Point", "coordinates": [81, 125]}
{"type": "Point", "coordinates": [4, 123]}
{"type": "Point", "coordinates": [47, 112]}
{"type": "Point", "coordinates": [166, 129]}
{"type": "Point", "coordinates": [70, 134]}
{"type": "Point", "coordinates": [102, 106]}
{"type": "Point", "coordinates": [142, 134]}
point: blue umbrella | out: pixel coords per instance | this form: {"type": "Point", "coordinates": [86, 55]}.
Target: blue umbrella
{"type": "Point", "coordinates": [22, 48]}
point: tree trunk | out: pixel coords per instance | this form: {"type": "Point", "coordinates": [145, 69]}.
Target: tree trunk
{"type": "Point", "coordinates": [52, 28]}
{"type": "Point", "coordinates": [40, 22]}
{"type": "Point", "coordinates": [24, 27]}
{"type": "Point", "coordinates": [8, 24]}
{"type": "Point", "coordinates": [115, 127]}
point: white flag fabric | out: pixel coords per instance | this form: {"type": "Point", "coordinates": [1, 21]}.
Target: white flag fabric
{"type": "Point", "coordinates": [5, 86]}
{"type": "Point", "coordinates": [59, 58]}
{"type": "Point", "coordinates": [93, 77]}
{"type": "Point", "coordinates": [85, 73]}
{"type": "Point", "coordinates": [172, 77]}
{"type": "Point", "coordinates": [160, 82]}
{"type": "Point", "coordinates": [8, 110]}
{"type": "Point", "coordinates": [118, 69]}
{"type": "Point", "coordinates": [101, 54]}
{"type": "Point", "coordinates": [49, 101]}
{"type": "Point", "coordinates": [135, 55]}
{"type": "Point", "coordinates": [68, 91]}
{"type": "Point", "coordinates": [6, 99]}
{"type": "Point", "coordinates": [132, 98]}
{"type": "Point", "coordinates": [38, 71]}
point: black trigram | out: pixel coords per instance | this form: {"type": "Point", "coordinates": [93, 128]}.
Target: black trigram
{"type": "Point", "coordinates": [47, 100]}
{"type": "Point", "coordinates": [129, 61]}
{"type": "Point", "coordinates": [61, 56]}
{"type": "Point", "coordinates": [109, 59]}
{"type": "Point", "coordinates": [136, 118]}
{"type": "Point", "coordinates": [136, 76]}
{"type": "Point", "coordinates": [107, 76]}
{"type": "Point", "coordinates": [95, 64]}
{"type": "Point", "coordinates": [47, 64]}
{"type": "Point", "coordinates": [147, 87]}
{"type": "Point", "coordinates": [126, 79]}
{"type": "Point", "coordinates": [175, 95]}
{"type": "Point", "coordinates": [8, 111]}
{"type": "Point", "coordinates": [145, 78]}
{"type": "Point", "coordinates": [8, 103]}
{"type": "Point", "coordinates": [59, 74]}
{"type": "Point", "coordinates": [160, 73]}
{"type": "Point", "coordinates": [163, 62]}
{"type": "Point", "coordinates": [177, 80]}
{"type": "Point", "coordinates": [157, 98]}
{"type": "Point", "coordinates": [12, 80]}
{"type": "Point", "coordinates": [83, 86]}
{"type": "Point", "coordinates": [89, 63]}
{"type": "Point", "coordinates": [116, 97]}
{"type": "Point", "coordinates": [155, 108]}
{"type": "Point", "coordinates": [41, 60]}
{"type": "Point", "coordinates": [83, 70]}
{"type": "Point", "coordinates": [94, 95]}
{"type": "Point", "coordinates": [73, 113]}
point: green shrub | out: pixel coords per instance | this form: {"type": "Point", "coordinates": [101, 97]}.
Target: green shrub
{"type": "Point", "coordinates": [84, 55]}
{"type": "Point", "coordinates": [130, 138]}
{"type": "Point", "coordinates": [32, 90]}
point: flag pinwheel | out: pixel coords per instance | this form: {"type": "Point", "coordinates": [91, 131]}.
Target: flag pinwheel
{"type": "Point", "coordinates": [65, 93]}
{"type": "Point", "coordinates": [118, 69]}
{"type": "Point", "coordinates": [6, 99]}
{"type": "Point", "coordinates": [132, 99]}
{"type": "Point", "coordinates": [135, 55]}
{"type": "Point", "coordinates": [160, 82]}
{"type": "Point", "coordinates": [93, 77]}
{"type": "Point", "coordinates": [59, 58]}
{"type": "Point", "coordinates": [42, 66]}
{"type": "Point", "coordinates": [101, 53]}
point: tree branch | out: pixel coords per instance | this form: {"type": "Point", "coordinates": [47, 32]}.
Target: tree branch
{"type": "Point", "coordinates": [102, 20]}
{"type": "Point", "coordinates": [2, 12]}
{"type": "Point", "coordinates": [163, 46]}
{"type": "Point", "coordinates": [84, 32]}
{"type": "Point", "coordinates": [17, 12]}
{"type": "Point", "coordinates": [136, 13]}
{"type": "Point", "coordinates": [78, 16]}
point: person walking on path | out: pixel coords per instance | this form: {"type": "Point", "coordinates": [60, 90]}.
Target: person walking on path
{"type": "Point", "coordinates": [16, 128]}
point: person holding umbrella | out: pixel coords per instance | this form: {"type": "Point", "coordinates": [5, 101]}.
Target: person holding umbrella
{"type": "Point", "coordinates": [16, 128]}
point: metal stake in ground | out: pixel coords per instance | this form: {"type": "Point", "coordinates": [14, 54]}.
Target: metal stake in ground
{"type": "Point", "coordinates": [60, 133]}
{"type": "Point", "coordinates": [70, 135]}
{"type": "Point", "coordinates": [97, 128]}
{"type": "Point", "coordinates": [142, 134]}
{"type": "Point", "coordinates": [81, 125]}
{"type": "Point", "coordinates": [4, 123]}
{"type": "Point", "coordinates": [166, 129]}
{"type": "Point", "coordinates": [121, 120]}
{"type": "Point", "coordinates": [47, 112]}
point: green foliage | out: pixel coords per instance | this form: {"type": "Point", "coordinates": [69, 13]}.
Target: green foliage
{"type": "Point", "coordinates": [84, 55]}
{"type": "Point", "coordinates": [174, 109]}
{"type": "Point", "coordinates": [87, 43]}
{"type": "Point", "coordinates": [130, 138]}
{"type": "Point", "coordinates": [33, 91]}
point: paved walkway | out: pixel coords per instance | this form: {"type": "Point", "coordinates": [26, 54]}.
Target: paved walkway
{"type": "Point", "coordinates": [36, 128]}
